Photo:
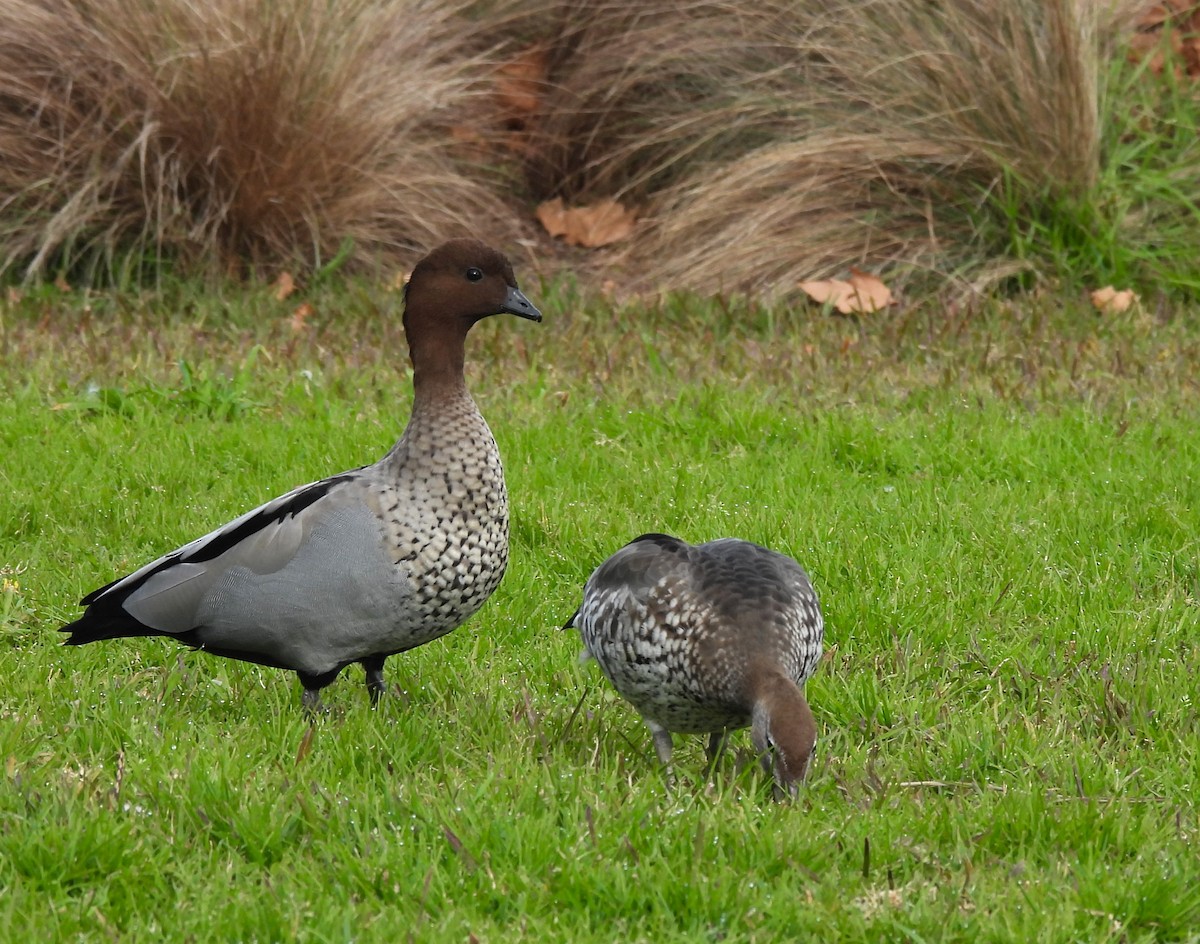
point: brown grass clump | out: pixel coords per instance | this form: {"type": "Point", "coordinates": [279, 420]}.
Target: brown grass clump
{"type": "Point", "coordinates": [895, 124]}
{"type": "Point", "coordinates": [633, 92]}
{"type": "Point", "coordinates": [231, 133]}
{"type": "Point", "coordinates": [789, 139]}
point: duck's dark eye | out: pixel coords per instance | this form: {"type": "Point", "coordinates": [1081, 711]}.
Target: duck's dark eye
{"type": "Point", "coordinates": [474, 274]}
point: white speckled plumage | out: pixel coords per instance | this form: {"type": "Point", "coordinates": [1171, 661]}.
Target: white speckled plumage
{"type": "Point", "coordinates": [368, 563]}
{"type": "Point", "coordinates": [707, 638]}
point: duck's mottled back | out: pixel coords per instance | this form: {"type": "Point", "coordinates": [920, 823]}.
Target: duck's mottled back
{"type": "Point", "coordinates": [695, 637]}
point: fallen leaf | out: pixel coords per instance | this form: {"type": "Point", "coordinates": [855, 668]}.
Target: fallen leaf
{"type": "Point", "coordinates": [464, 134]}
{"type": "Point", "coordinates": [869, 291]}
{"type": "Point", "coordinates": [552, 214]}
{"type": "Point", "coordinates": [284, 286]}
{"type": "Point", "coordinates": [1165, 32]}
{"type": "Point", "coordinates": [62, 284]}
{"type": "Point", "coordinates": [826, 290]}
{"type": "Point", "coordinates": [520, 84]}
{"type": "Point", "coordinates": [862, 293]}
{"type": "Point", "coordinates": [1112, 301]}
{"type": "Point", "coordinates": [457, 845]}
{"type": "Point", "coordinates": [597, 224]}
{"type": "Point", "coordinates": [520, 90]}
{"type": "Point", "coordinates": [300, 317]}
{"type": "Point", "coordinates": [1154, 16]}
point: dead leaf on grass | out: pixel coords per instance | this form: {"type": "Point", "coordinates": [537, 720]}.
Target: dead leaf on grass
{"type": "Point", "coordinates": [1178, 23]}
{"type": "Point", "coordinates": [305, 745]}
{"type": "Point", "coordinates": [1113, 301]}
{"type": "Point", "coordinates": [299, 319]}
{"type": "Point", "coordinates": [521, 83]}
{"type": "Point", "coordinates": [591, 226]}
{"type": "Point", "coordinates": [863, 292]}
{"type": "Point", "coordinates": [284, 286]}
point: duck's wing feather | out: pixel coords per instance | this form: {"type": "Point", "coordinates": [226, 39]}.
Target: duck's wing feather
{"type": "Point", "coordinates": [162, 597]}
{"type": "Point", "coordinates": [630, 576]}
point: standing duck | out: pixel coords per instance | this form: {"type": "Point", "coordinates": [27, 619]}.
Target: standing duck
{"type": "Point", "coordinates": [706, 638]}
{"type": "Point", "coordinates": [362, 565]}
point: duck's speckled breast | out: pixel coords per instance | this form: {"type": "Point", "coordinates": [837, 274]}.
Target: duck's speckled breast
{"type": "Point", "coordinates": [443, 507]}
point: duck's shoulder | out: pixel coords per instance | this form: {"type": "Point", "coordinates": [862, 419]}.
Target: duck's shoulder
{"type": "Point", "coordinates": [641, 564]}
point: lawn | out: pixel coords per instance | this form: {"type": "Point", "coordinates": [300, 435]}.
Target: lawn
{"type": "Point", "coordinates": [999, 506]}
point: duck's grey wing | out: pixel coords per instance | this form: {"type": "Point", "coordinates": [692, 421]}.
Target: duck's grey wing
{"type": "Point", "coordinates": [233, 589]}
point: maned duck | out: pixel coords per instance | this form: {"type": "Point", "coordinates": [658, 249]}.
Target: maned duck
{"type": "Point", "coordinates": [707, 638]}
{"type": "Point", "coordinates": [362, 565]}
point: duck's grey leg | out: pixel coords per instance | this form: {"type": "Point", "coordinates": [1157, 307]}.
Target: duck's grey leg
{"type": "Point", "coordinates": [376, 686]}
{"type": "Point", "coordinates": [663, 747]}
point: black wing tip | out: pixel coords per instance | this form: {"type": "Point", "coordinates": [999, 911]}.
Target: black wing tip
{"type": "Point", "coordinates": [659, 539]}
{"type": "Point", "coordinates": [95, 626]}
{"type": "Point", "coordinates": [81, 635]}
{"type": "Point", "coordinates": [100, 591]}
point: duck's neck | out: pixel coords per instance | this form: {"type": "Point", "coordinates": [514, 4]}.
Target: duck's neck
{"type": "Point", "coordinates": [438, 370]}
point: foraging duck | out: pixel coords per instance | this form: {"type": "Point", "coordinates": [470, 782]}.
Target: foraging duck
{"type": "Point", "coordinates": [707, 638]}
{"type": "Point", "coordinates": [362, 565]}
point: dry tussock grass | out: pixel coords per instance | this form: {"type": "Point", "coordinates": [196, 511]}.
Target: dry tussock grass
{"type": "Point", "coordinates": [233, 133]}
{"type": "Point", "coordinates": [788, 139]}
{"type": "Point", "coordinates": [634, 92]}
{"type": "Point", "coordinates": [894, 125]}
{"type": "Point", "coordinates": [767, 142]}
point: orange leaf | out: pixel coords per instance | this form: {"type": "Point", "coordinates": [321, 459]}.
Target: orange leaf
{"type": "Point", "coordinates": [870, 294]}
{"type": "Point", "coordinates": [299, 319]}
{"type": "Point", "coordinates": [863, 293]}
{"type": "Point", "coordinates": [521, 82]}
{"type": "Point", "coordinates": [827, 290]}
{"type": "Point", "coordinates": [598, 224]}
{"type": "Point", "coordinates": [284, 286]}
{"type": "Point", "coordinates": [552, 215]}
{"type": "Point", "coordinates": [1109, 299]}
{"type": "Point", "coordinates": [1153, 17]}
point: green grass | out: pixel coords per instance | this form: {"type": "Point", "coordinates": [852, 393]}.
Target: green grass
{"type": "Point", "coordinates": [1000, 509]}
{"type": "Point", "coordinates": [1135, 225]}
